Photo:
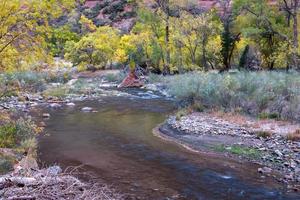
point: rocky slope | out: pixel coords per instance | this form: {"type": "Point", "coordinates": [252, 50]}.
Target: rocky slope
{"type": "Point", "coordinates": [117, 13]}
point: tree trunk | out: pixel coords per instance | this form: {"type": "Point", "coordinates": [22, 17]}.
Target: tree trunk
{"type": "Point", "coordinates": [167, 40]}
{"type": "Point", "coordinates": [295, 33]}
{"type": "Point", "coordinates": [204, 62]}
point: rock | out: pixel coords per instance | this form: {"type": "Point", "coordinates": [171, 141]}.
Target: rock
{"type": "Point", "coordinates": [278, 153]}
{"type": "Point", "coordinates": [71, 82]}
{"type": "Point", "coordinates": [288, 177]}
{"type": "Point", "coordinates": [131, 81]}
{"type": "Point", "coordinates": [86, 109]}
{"type": "Point", "coordinates": [54, 170]}
{"type": "Point", "coordinates": [70, 104]}
{"type": "Point", "coordinates": [27, 164]}
{"type": "Point", "coordinates": [55, 105]}
{"type": "Point", "coordinates": [264, 170]}
{"type": "Point", "coordinates": [46, 115]}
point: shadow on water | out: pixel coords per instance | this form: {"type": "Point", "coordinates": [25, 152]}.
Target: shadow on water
{"type": "Point", "coordinates": [117, 145]}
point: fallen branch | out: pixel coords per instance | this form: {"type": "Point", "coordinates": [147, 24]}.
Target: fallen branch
{"type": "Point", "coordinates": [18, 180]}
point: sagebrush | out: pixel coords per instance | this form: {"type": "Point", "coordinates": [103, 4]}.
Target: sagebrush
{"type": "Point", "coordinates": [269, 93]}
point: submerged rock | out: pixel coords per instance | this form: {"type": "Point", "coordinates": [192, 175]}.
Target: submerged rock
{"type": "Point", "coordinates": [87, 109]}
{"type": "Point", "coordinates": [46, 115]}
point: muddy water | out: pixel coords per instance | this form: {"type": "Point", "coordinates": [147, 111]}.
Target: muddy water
{"type": "Point", "coordinates": [116, 144]}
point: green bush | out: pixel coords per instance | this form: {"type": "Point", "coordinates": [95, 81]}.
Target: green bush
{"type": "Point", "coordinates": [14, 133]}
{"type": "Point", "coordinates": [115, 77]}
{"type": "Point", "coordinates": [275, 93]}
{"type": "Point", "coordinates": [59, 92]}
{"type": "Point", "coordinates": [6, 164]}
{"type": "Point", "coordinates": [8, 137]}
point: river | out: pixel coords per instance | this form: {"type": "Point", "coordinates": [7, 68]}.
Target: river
{"type": "Point", "coordinates": [116, 145]}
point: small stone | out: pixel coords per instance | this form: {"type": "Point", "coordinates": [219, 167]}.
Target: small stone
{"type": "Point", "coordinates": [264, 170]}
{"type": "Point", "coordinates": [86, 109]}
{"type": "Point", "coordinates": [55, 105]}
{"type": "Point", "coordinates": [278, 153]}
{"type": "Point", "coordinates": [70, 104]}
{"type": "Point", "coordinates": [54, 170]}
{"type": "Point", "coordinates": [288, 177]}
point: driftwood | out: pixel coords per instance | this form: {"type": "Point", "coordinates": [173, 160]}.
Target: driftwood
{"type": "Point", "coordinates": [18, 180]}
{"type": "Point", "coordinates": [22, 198]}
{"type": "Point", "coordinates": [51, 183]}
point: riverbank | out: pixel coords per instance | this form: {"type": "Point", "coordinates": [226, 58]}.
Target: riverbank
{"type": "Point", "coordinates": [268, 143]}
{"type": "Point", "coordinates": [205, 132]}
{"type": "Point", "coordinates": [22, 96]}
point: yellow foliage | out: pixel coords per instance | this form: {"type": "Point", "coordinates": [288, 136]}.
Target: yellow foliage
{"type": "Point", "coordinates": [87, 24]}
{"type": "Point", "coordinates": [23, 27]}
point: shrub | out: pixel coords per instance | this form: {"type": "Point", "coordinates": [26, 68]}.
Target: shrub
{"type": "Point", "coordinates": [28, 146]}
{"type": "Point", "coordinates": [182, 112]}
{"type": "Point", "coordinates": [14, 133]}
{"type": "Point", "coordinates": [112, 77]}
{"type": "Point", "coordinates": [60, 92]}
{"type": "Point", "coordinates": [264, 134]}
{"type": "Point", "coordinates": [8, 137]}
{"type": "Point", "coordinates": [6, 164]}
{"type": "Point", "coordinates": [265, 115]}
{"type": "Point", "coordinates": [275, 93]}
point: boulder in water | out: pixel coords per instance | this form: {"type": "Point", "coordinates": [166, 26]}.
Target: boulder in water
{"type": "Point", "coordinates": [131, 80]}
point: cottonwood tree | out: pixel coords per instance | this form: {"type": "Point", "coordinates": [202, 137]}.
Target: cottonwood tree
{"type": "Point", "coordinates": [263, 24]}
{"type": "Point", "coordinates": [23, 28]}
{"type": "Point", "coordinates": [165, 9]}
{"type": "Point", "coordinates": [291, 8]}
{"type": "Point", "coordinates": [192, 33]}
{"type": "Point", "coordinates": [95, 50]}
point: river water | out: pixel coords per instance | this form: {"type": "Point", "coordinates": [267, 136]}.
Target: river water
{"type": "Point", "coordinates": [116, 145]}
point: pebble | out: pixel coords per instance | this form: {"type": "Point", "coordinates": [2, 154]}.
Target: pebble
{"type": "Point", "coordinates": [264, 170]}
{"type": "Point", "coordinates": [288, 177]}
{"type": "Point", "coordinates": [278, 153]}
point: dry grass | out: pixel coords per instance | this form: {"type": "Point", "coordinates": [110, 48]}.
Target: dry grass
{"type": "Point", "coordinates": [264, 134]}
{"type": "Point", "coordinates": [294, 136]}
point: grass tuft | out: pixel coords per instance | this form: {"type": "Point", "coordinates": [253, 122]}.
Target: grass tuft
{"type": "Point", "coordinates": [294, 136]}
